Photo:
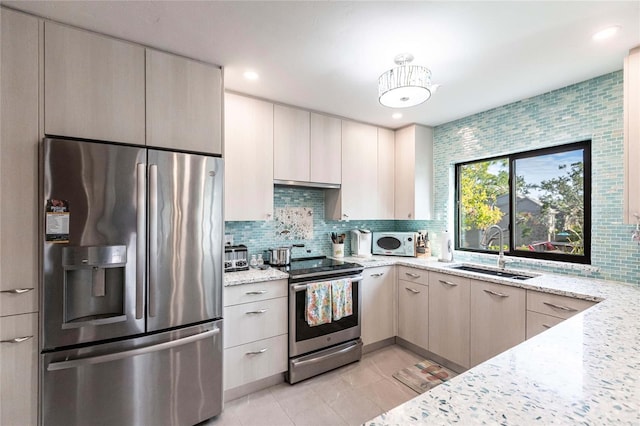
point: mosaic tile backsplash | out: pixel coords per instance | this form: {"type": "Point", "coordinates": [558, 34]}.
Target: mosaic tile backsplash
{"type": "Point", "coordinates": [589, 110]}
{"type": "Point", "coordinates": [291, 225]}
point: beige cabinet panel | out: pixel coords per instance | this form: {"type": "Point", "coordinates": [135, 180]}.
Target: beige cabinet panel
{"type": "Point", "coordinates": [184, 103]}
{"type": "Point", "coordinates": [19, 369]}
{"type": "Point", "coordinates": [94, 86]}
{"type": "Point", "coordinates": [357, 197]}
{"type": "Point", "coordinates": [498, 319]}
{"type": "Point", "coordinates": [378, 304]}
{"type": "Point", "coordinates": [537, 323]}
{"type": "Point", "coordinates": [555, 305]}
{"type": "Point", "coordinates": [253, 321]}
{"type": "Point", "coordinates": [290, 144]}
{"type": "Point", "coordinates": [449, 309]}
{"type": "Point", "coordinates": [632, 136]}
{"type": "Point", "coordinates": [386, 171]}
{"type": "Point", "coordinates": [326, 149]}
{"type": "Point", "coordinates": [248, 154]}
{"type": "Point", "coordinates": [254, 361]}
{"type": "Point", "coordinates": [413, 313]}
{"type": "Point", "coordinates": [419, 276]}
{"type": "Point", "coordinates": [414, 190]}
{"type": "Point", "coordinates": [19, 163]}
{"type": "Point", "coordinates": [253, 292]}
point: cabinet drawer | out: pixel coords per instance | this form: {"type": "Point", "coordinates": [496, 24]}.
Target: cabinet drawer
{"type": "Point", "coordinates": [19, 369]}
{"type": "Point", "coordinates": [244, 293]}
{"type": "Point", "coordinates": [537, 323]}
{"type": "Point", "coordinates": [254, 321]}
{"type": "Point", "coordinates": [413, 275]}
{"type": "Point", "coordinates": [254, 361]}
{"type": "Point", "coordinates": [447, 280]}
{"type": "Point", "coordinates": [555, 305]}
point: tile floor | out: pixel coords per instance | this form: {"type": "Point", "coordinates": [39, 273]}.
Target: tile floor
{"type": "Point", "coordinates": [349, 395]}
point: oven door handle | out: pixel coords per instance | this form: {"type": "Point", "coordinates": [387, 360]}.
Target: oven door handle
{"type": "Point", "coordinates": [349, 348]}
{"type": "Point", "coordinates": [300, 287]}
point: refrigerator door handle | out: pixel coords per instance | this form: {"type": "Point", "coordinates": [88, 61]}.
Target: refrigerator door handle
{"type": "Point", "coordinates": [141, 217]}
{"type": "Point", "coordinates": [153, 237]}
{"type": "Point", "coordinates": [82, 362]}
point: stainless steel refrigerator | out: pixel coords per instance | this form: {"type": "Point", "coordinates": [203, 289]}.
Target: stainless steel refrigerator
{"type": "Point", "coordinates": [131, 305]}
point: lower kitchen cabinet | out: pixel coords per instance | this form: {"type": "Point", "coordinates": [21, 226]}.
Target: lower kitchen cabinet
{"type": "Point", "coordinates": [254, 361]}
{"type": "Point", "coordinates": [255, 332]}
{"type": "Point", "coordinates": [537, 323]}
{"type": "Point", "coordinates": [544, 310]}
{"type": "Point", "coordinates": [378, 304]}
{"type": "Point", "coordinates": [498, 317]}
{"type": "Point", "coordinates": [19, 369]}
{"type": "Point", "coordinates": [449, 317]}
{"type": "Point", "coordinates": [413, 312]}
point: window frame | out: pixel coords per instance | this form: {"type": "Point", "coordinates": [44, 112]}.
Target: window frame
{"type": "Point", "coordinates": [585, 145]}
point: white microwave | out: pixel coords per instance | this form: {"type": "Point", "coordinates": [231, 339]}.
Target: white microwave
{"type": "Point", "coordinates": [395, 243]}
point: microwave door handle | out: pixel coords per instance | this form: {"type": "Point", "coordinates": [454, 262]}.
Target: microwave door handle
{"type": "Point", "coordinates": [141, 238]}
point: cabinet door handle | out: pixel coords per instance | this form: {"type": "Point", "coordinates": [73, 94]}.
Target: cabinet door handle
{"type": "Point", "coordinates": [448, 283]}
{"type": "Point", "coordinates": [261, 351]}
{"type": "Point", "coordinates": [562, 308]}
{"type": "Point", "coordinates": [17, 290]}
{"type": "Point", "coordinates": [495, 293]}
{"type": "Point", "coordinates": [256, 292]}
{"type": "Point", "coordinates": [546, 325]}
{"type": "Point", "coordinates": [412, 290]}
{"type": "Point", "coordinates": [412, 275]}
{"type": "Point", "coordinates": [377, 274]}
{"type": "Point", "coordinates": [17, 339]}
{"type": "Point", "coordinates": [259, 311]}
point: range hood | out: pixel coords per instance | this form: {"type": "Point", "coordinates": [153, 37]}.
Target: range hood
{"type": "Point", "coordinates": [305, 184]}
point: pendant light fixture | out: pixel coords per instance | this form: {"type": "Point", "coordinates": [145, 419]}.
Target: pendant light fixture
{"type": "Point", "coordinates": [405, 85]}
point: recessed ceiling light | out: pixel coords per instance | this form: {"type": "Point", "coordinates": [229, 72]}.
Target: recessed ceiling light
{"type": "Point", "coordinates": [606, 33]}
{"type": "Point", "coordinates": [250, 75]}
{"type": "Point", "coordinates": [396, 115]}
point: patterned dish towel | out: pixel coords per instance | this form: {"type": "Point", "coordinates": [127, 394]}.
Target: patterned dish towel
{"type": "Point", "coordinates": [318, 303]}
{"type": "Point", "coordinates": [342, 300]}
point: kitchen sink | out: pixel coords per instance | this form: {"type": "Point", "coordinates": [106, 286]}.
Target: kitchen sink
{"type": "Point", "coordinates": [494, 272]}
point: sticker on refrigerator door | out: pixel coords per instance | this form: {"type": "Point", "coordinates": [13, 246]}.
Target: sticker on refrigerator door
{"type": "Point", "coordinates": [57, 221]}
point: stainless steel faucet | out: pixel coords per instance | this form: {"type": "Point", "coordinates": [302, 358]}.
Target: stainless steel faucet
{"type": "Point", "coordinates": [501, 260]}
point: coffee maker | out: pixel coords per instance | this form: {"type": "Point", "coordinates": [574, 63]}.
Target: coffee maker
{"type": "Point", "coordinates": [361, 243]}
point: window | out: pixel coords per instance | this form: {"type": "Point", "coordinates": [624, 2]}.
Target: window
{"type": "Point", "coordinates": [537, 203]}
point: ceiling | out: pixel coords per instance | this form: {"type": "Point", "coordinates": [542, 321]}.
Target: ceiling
{"type": "Point", "coordinates": [327, 56]}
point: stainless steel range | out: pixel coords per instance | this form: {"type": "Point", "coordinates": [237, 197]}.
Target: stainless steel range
{"type": "Point", "coordinates": [316, 349]}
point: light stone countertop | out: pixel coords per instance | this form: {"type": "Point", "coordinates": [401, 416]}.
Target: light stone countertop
{"type": "Point", "coordinates": [584, 370]}
{"type": "Point", "coordinates": [253, 276]}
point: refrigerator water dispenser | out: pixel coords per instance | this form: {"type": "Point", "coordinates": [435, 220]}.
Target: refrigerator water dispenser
{"type": "Point", "coordinates": [94, 285]}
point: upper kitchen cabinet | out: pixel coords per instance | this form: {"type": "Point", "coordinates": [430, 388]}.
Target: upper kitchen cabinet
{"type": "Point", "coordinates": [94, 86]}
{"type": "Point", "coordinates": [19, 140]}
{"type": "Point", "coordinates": [386, 154]}
{"type": "Point", "coordinates": [357, 198]}
{"type": "Point", "coordinates": [248, 183]}
{"type": "Point", "coordinates": [326, 149]}
{"type": "Point", "coordinates": [414, 173]}
{"type": "Point", "coordinates": [632, 135]}
{"type": "Point", "coordinates": [291, 160]}
{"type": "Point", "coordinates": [306, 147]}
{"type": "Point", "coordinates": [184, 103]}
